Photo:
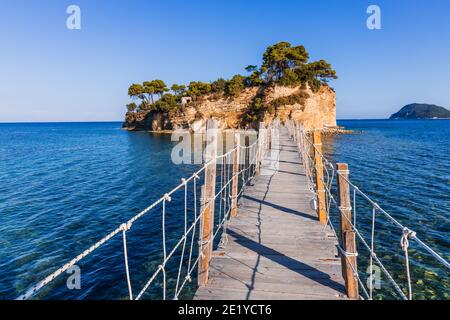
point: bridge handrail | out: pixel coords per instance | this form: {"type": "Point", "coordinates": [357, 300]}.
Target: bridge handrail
{"type": "Point", "coordinates": [245, 173]}
{"type": "Point", "coordinates": [305, 144]}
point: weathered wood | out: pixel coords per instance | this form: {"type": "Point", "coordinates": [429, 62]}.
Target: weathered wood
{"type": "Point", "coordinates": [351, 282]}
{"type": "Point", "coordinates": [321, 204]}
{"type": "Point", "coordinates": [270, 137]}
{"type": "Point", "coordinates": [349, 261]}
{"type": "Point", "coordinates": [276, 248]}
{"type": "Point", "coordinates": [260, 150]}
{"type": "Point", "coordinates": [234, 187]}
{"type": "Point", "coordinates": [204, 236]}
{"type": "Point", "coordinates": [209, 198]}
{"type": "Point", "coordinates": [344, 198]}
{"type": "Point", "coordinates": [246, 157]}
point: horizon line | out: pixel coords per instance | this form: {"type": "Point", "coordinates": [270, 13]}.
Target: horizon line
{"type": "Point", "coordinates": [107, 121]}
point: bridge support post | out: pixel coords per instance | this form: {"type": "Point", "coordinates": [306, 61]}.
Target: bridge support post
{"type": "Point", "coordinates": [348, 241]}
{"type": "Point", "coordinates": [208, 195]}
{"type": "Point", "coordinates": [321, 203]}
{"type": "Point", "coordinates": [234, 187]}
{"type": "Point", "coordinates": [269, 138]}
{"type": "Point", "coordinates": [247, 164]}
{"type": "Point", "coordinates": [260, 152]}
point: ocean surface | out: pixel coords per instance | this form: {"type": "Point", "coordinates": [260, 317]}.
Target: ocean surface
{"type": "Point", "coordinates": [404, 166]}
{"type": "Point", "coordinates": [66, 185]}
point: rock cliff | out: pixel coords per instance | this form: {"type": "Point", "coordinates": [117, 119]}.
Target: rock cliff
{"type": "Point", "coordinates": [315, 110]}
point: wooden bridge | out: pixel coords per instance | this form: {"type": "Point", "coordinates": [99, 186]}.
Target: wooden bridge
{"type": "Point", "coordinates": [276, 248]}
{"type": "Point", "coordinates": [270, 203]}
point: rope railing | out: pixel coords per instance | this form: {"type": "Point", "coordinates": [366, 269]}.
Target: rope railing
{"type": "Point", "coordinates": [308, 149]}
{"type": "Point", "coordinates": [229, 184]}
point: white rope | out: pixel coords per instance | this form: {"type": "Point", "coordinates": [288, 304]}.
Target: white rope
{"type": "Point", "coordinates": [224, 187]}
{"type": "Point", "coordinates": [405, 245]}
{"type": "Point", "coordinates": [194, 177]}
{"type": "Point", "coordinates": [372, 241]}
{"type": "Point", "coordinates": [184, 241]}
{"type": "Point", "coordinates": [305, 144]}
{"type": "Point", "coordinates": [126, 227]}
{"type": "Point", "coordinates": [163, 266]}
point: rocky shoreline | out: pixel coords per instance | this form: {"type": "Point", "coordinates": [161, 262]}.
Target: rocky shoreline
{"type": "Point", "coordinates": [315, 110]}
{"type": "Point", "coordinates": [332, 131]}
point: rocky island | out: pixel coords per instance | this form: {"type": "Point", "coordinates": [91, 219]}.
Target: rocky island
{"type": "Point", "coordinates": [421, 111]}
{"type": "Point", "coordinates": [285, 86]}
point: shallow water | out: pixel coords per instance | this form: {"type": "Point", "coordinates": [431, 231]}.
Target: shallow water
{"type": "Point", "coordinates": [66, 185]}
{"type": "Point", "coordinates": [404, 166]}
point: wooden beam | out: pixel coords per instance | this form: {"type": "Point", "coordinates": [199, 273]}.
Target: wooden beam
{"type": "Point", "coordinates": [209, 201]}
{"type": "Point", "coordinates": [348, 241]}
{"type": "Point", "coordinates": [260, 150]}
{"type": "Point", "coordinates": [344, 198]}
{"type": "Point", "coordinates": [351, 267]}
{"type": "Point", "coordinates": [203, 264]}
{"type": "Point", "coordinates": [234, 187]}
{"type": "Point", "coordinates": [321, 204]}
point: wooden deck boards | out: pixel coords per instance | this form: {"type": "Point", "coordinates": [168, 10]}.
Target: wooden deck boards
{"type": "Point", "coordinates": [276, 247]}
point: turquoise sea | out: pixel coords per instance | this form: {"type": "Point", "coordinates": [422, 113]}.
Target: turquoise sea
{"type": "Point", "coordinates": [66, 185]}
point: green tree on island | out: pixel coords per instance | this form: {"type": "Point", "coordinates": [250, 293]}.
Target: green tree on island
{"type": "Point", "coordinates": [178, 90]}
{"type": "Point", "coordinates": [160, 87]}
{"type": "Point", "coordinates": [166, 103]}
{"type": "Point", "coordinates": [219, 85]}
{"type": "Point", "coordinates": [131, 107]}
{"type": "Point", "coordinates": [282, 64]}
{"type": "Point", "coordinates": [235, 86]}
{"type": "Point", "coordinates": [198, 88]}
{"type": "Point", "coordinates": [136, 91]}
{"type": "Point", "coordinates": [287, 65]}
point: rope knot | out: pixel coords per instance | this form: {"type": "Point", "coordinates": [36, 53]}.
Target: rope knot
{"type": "Point", "coordinates": [404, 242]}
{"type": "Point", "coordinates": [183, 180]}
{"type": "Point", "coordinates": [406, 235]}
{"type": "Point", "coordinates": [167, 197]}
{"type": "Point", "coordinates": [350, 254]}
{"type": "Point", "coordinates": [125, 226]}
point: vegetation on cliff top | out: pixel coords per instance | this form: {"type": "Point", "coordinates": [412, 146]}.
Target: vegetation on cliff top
{"type": "Point", "coordinates": [283, 64]}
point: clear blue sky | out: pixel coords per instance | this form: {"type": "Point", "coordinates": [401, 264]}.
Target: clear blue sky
{"type": "Point", "coordinates": [50, 73]}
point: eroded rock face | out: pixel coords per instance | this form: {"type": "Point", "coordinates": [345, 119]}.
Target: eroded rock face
{"type": "Point", "coordinates": [316, 111]}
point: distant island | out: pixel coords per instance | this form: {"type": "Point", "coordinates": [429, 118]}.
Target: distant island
{"type": "Point", "coordinates": [421, 111]}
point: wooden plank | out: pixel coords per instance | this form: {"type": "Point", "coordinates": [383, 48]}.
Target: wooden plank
{"type": "Point", "coordinates": [243, 294]}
